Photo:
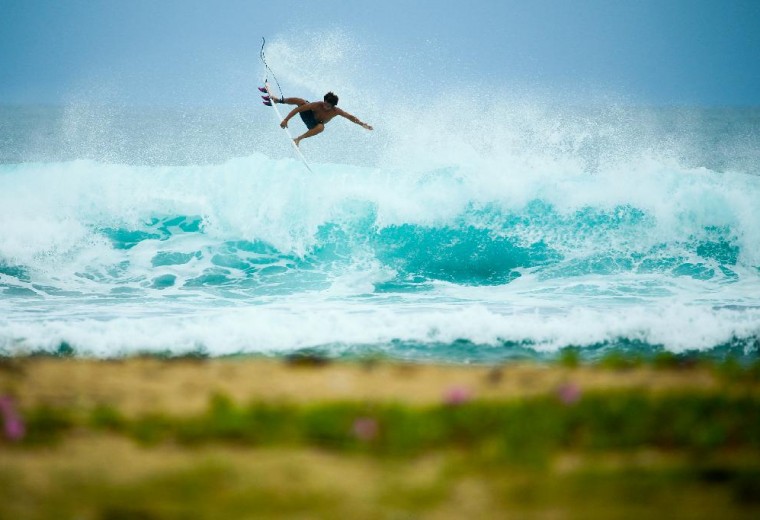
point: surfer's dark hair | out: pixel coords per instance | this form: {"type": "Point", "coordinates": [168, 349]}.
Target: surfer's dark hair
{"type": "Point", "coordinates": [331, 98]}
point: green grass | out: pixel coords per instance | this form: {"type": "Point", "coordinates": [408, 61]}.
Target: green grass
{"type": "Point", "coordinates": [528, 430]}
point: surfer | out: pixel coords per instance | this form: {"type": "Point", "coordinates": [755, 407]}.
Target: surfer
{"type": "Point", "coordinates": [315, 115]}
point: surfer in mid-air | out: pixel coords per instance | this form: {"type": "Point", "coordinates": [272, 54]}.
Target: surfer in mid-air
{"type": "Point", "coordinates": [315, 115]}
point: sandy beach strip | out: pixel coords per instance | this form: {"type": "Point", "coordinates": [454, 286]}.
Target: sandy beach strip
{"type": "Point", "coordinates": [182, 386]}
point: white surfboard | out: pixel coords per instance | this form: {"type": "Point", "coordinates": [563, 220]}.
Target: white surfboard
{"type": "Point", "coordinates": [287, 132]}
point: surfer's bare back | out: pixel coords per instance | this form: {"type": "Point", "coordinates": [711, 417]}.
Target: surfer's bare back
{"type": "Point", "coordinates": [315, 114]}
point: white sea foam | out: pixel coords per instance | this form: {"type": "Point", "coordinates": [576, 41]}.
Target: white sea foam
{"type": "Point", "coordinates": [278, 328]}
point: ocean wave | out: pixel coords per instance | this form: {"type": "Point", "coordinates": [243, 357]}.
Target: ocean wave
{"type": "Point", "coordinates": [260, 221]}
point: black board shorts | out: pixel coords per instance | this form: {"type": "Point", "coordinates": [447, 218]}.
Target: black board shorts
{"type": "Point", "coordinates": [309, 119]}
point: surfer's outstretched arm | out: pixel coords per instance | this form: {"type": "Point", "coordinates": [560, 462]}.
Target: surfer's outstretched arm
{"type": "Point", "coordinates": [354, 119]}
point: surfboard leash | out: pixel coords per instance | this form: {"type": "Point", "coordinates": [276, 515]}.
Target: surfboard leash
{"type": "Point", "coordinates": [269, 70]}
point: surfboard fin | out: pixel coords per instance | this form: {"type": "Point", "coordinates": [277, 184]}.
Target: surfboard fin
{"type": "Point", "coordinates": [267, 103]}
{"type": "Point", "coordinates": [266, 98]}
{"type": "Point", "coordinates": [262, 89]}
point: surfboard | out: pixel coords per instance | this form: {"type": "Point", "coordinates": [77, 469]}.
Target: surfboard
{"type": "Point", "coordinates": [287, 132]}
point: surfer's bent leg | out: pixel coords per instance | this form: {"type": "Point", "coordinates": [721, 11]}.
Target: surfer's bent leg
{"type": "Point", "coordinates": [290, 101]}
{"type": "Point", "coordinates": [314, 131]}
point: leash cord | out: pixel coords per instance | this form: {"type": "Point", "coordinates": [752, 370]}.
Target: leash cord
{"type": "Point", "coordinates": [264, 61]}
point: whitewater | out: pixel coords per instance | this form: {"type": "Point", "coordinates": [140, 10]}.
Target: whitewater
{"type": "Point", "coordinates": [513, 232]}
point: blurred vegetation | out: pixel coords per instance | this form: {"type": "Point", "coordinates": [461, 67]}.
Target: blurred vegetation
{"type": "Point", "coordinates": [527, 430]}
{"type": "Point", "coordinates": [575, 453]}
{"type": "Point", "coordinates": [701, 449]}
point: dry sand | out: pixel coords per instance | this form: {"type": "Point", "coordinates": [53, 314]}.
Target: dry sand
{"type": "Point", "coordinates": [142, 385]}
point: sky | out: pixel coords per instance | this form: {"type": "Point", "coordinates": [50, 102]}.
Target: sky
{"type": "Point", "coordinates": [205, 52]}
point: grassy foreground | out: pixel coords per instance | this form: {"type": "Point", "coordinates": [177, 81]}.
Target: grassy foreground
{"type": "Point", "coordinates": [250, 438]}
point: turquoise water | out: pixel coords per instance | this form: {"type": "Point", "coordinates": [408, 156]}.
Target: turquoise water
{"type": "Point", "coordinates": [525, 230]}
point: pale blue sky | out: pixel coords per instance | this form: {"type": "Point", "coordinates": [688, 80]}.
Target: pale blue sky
{"type": "Point", "coordinates": [196, 51]}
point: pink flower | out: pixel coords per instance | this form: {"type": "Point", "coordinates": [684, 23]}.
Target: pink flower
{"type": "Point", "coordinates": [568, 393]}
{"type": "Point", "coordinates": [457, 395]}
{"type": "Point", "coordinates": [14, 425]}
{"type": "Point", "coordinates": [365, 428]}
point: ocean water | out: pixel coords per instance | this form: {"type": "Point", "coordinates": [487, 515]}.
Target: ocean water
{"type": "Point", "coordinates": [459, 231]}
